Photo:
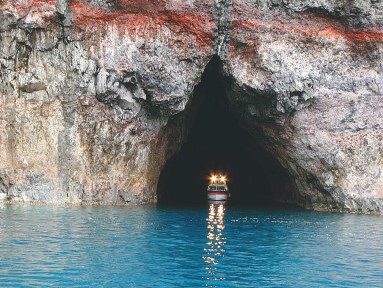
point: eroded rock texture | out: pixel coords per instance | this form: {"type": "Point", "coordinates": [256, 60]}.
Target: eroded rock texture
{"type": "Point", "coordinates": [90, 89]}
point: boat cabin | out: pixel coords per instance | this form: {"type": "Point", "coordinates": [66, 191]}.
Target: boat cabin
{"type": "Point", "coordinates": [217, 188]}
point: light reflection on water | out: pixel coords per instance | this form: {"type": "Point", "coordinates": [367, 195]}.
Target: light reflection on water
{"type": "Point", "coordinates": [215, 246]}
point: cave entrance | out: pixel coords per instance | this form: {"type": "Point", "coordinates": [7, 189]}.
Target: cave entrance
{"type": "Point", "coordinates": [217, 142]}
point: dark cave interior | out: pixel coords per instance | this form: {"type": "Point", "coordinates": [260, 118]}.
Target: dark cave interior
{"type": "Point", "coordinates": [217, 143]}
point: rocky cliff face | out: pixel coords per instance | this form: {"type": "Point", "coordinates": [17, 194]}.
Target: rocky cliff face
{"type": "Point", "coordinates": [90, 88]}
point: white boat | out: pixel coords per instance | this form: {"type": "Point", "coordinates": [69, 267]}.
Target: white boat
{"type": "Point", "coordinates": [217, 189]}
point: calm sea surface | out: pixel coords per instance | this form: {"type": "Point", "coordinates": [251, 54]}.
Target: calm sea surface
{"type": "Point", "coordinates": [213, 246]}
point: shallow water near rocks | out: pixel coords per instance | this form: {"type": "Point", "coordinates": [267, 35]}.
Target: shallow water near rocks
{"type": "Point", "coordinates": [210, 246]}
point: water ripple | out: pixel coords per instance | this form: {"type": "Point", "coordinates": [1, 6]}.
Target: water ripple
{"type": "Point", "coordinates": [212, 247]}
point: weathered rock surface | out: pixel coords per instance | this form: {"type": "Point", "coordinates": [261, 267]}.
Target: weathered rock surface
{"type": "Point", "coordinates": [88, 89]}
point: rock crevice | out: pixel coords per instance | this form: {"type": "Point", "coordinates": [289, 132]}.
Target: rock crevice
{"type": "Point", "coordinates": [222, 18]}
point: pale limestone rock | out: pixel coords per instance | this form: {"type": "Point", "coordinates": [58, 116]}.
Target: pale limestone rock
{"type": "Point", "coordinates": [88, 87]}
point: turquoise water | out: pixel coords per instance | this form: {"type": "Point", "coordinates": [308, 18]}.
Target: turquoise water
{"type": "Point", "coordinates": [213, 246]}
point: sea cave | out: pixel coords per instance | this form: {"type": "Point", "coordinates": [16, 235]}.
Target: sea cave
{"type": "Point", "coordinates": [219, 143]}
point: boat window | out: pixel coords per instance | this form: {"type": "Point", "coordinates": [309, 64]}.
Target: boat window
{"type": "Point", "coordinates": [212, 187]}
{"type": "Point", "coordinates": [221, 187]}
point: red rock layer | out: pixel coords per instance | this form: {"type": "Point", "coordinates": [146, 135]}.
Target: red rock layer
{"type": "Point", "coordinates": [143, 19]}
{"type": "Point", "coordinates": [305, 23]}
{"type": "Point", "coordinates": [33, 12]}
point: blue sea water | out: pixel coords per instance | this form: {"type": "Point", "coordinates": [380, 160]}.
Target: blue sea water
{"type": "Point", "coordinates": [212, 246]}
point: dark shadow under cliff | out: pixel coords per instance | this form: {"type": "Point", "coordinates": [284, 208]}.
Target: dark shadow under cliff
{"type": "Point", "coordinates": [217, 143]}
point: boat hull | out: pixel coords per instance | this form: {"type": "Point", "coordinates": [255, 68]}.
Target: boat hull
{"type": "Point", "coordinates": [217, 196]}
